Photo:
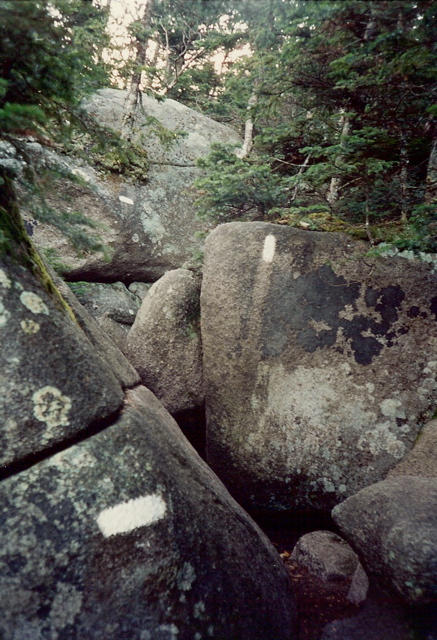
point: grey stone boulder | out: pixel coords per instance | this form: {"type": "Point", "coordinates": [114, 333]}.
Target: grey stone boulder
{"type": "Point", "coordinates": [164, 343]}
{"type": "Point", "coordinates": [108, 106]}
{"type": "Point", "coordinates": [112, 299]}
{"type": "Point", "coordinates": [393, 527]}
{"type": "Point", "coordinates": [328, 559]}
{"type": "Point", "coordinates": [148, 227]}
{"type": "Point", "coordinates": [319, 363]}
{"type": "Point", "coordinates": [112, 305]}
{"type": "Point", "coordinates": [129, 536]}
{"type": "Point", "coordinates": [99, 338]}
{"type": "Point", "coordinates": [422, 459]}
{"type": "Point", "coordinates": [53, 384]}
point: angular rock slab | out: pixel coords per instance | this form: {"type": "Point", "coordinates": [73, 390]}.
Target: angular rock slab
{"type": "Point", "coordinates": [53, 384]}
{"type": "Point", "coordinates": [148, 227]}
{"type": "Point", "coordinates": [129, 536]}
{"type": "Point", "coordinates": [319, 363]}
{"type": "Point", "coordinates": [164, 344]}
{"type": "Point", "coordinates": [104, 346]}
{"type": "Point", "coordinates": [393, 527]}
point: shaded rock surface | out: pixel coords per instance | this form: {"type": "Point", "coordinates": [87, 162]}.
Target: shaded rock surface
{"type": "Point", "coordinates": [164, 344]}
{"type": "Point", "coordinates": [113, 306]}
{"type": "Point", "coordinates": [54, 385]}
{"type": "Point", "coordinates": [148, 228]}
{"type": "Point", "coordinates": [129, 536]}
{"type": "Point", "coordinates": [105, 348]}
{"type": "Point", "coordinates": [380, 619]}
{"type": "Point", "coordinates": [319, 363]}
{"type": "Point", "coordinates": [329, 558]}
{"type": "Point", "coordinates": [393, 527]}
{"type": "Point", "coordinates": [111, 299]}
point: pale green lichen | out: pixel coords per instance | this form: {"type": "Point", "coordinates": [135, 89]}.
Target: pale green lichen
{"type": "Point", "coordinates": [29, 326]}
{"type": "Point", "coordinates": [4, 315]}
{"type": "Point", "coordinates": [51, 407]}
{"type": "Point", "coordinates": [4, 280]}
{"type": "Point", "coordinates": [33, 302]}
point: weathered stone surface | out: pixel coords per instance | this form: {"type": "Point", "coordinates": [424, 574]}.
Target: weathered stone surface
{"type": "Point", "coordinates": [108, 106]}
{"type": "Point", "coordinates": [164, 344]}
{"type": "Point", "coordinates": [393, 527]}
{"type": "Point", "coordinates": [112, 305]}
{"type": "Point", "coordinates": [328, 557]}
{"type": "Point", "coordinates": [422, 459]}
{"type": "Point", "coordinates": [319, 362]}
{"type": "Point", "coordinates": [53, 385]}
{"type": "Point", "coordinates": [148, 228]}
{"type": "Point", "coordinates": [129, 536]}
{"type": "Point", "coordinates": [111, 299]}
{"type": "Point", "coordinates": [105, 348]}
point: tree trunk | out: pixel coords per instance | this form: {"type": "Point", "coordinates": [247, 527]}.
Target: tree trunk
{"type": "Point", "coordinates": [334, 187]}
{"type": "Point", "coordinates": [403, 179]}
{"type": "Point", "coordinates": [133, 101]}
{"type": "Point", "coordinates": [431, 175]}
{"type": "Point", "coordinates": [248, 127]}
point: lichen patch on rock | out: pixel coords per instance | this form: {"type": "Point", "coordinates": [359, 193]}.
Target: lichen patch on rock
{"type": "Point", "coordinates": [51, 407]}
{"type": "Point", "coordinates": [34, 303]}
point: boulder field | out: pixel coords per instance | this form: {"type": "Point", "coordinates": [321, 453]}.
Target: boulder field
{"type": "Point", "coordinates": [316, 364]}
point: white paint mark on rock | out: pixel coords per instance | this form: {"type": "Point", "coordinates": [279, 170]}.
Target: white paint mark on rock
{"type": "Point", "coordinates": [269, 248]}
{"type": "Point", "coordinates": [51, 407]}
{"type": "Point", "coordinates": [4, 280]}
{"type": "Point", "coordinates": [33, 302]}
{"type": "Point", "coordinates": [29, 326]}
{"type": "Point", "coordinates": [125, 200]}
{"type": "Point", "coordinates": [130, 515]}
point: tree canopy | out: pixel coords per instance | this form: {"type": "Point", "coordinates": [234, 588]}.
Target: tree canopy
{"type": "Point", "coordinates": [336, 99]}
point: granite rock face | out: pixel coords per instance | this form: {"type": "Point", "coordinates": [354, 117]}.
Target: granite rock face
{"type": "Point", "coordinates": [422, 459]}
{"type": "Point", "coordinates": [54, 385]}
{"type": "Point", "coordinates": [164, 344]}
{"type": "Point", "coordinates": [148, 227]}
{"type": "Point", "coordinates": [96, 334]}
{"type": "Point", "coordinates": [129, 536]}
{"type": "Point", "coordinates": [393, 527]}
{"type": "Point", "coordinates": [319, 363]}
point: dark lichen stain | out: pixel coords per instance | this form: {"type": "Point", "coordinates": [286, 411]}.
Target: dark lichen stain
{"type": "Point", "coordinates": [413, 312]}
{"type": "Point", "coordinates": [319, 297]}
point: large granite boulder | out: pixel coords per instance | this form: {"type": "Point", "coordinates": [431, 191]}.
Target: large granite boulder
{"type": "Point", "coordinates": [130, 536]}
{"type": "Point", "coordinates": [148, 227]}
{"type": "Point", "coordinates": [319, 363]}
{"type": "Point", "coordinates": [164, 344]}
{"type": "Point", "coordinates": [53, 384]}
{"type": "Point", "coordinates": [393, 527]}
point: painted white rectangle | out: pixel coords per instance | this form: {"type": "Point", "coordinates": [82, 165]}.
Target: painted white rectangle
{"type": "Point", "coordinates": [269, 248]}
{"type": "Point", "coordinates": [130, 515]}
{"type": "Point", "coordinates": [125, 200]}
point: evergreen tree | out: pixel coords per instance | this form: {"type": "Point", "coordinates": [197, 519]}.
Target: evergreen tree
{"type": "Point", "coordinates": [51, 56]}
{"type": "Point", "coordinates": [343, 116]}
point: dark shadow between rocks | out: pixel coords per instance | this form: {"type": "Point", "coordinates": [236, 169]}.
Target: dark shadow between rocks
{"type": "Point", "coordinates": [192, 423]}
